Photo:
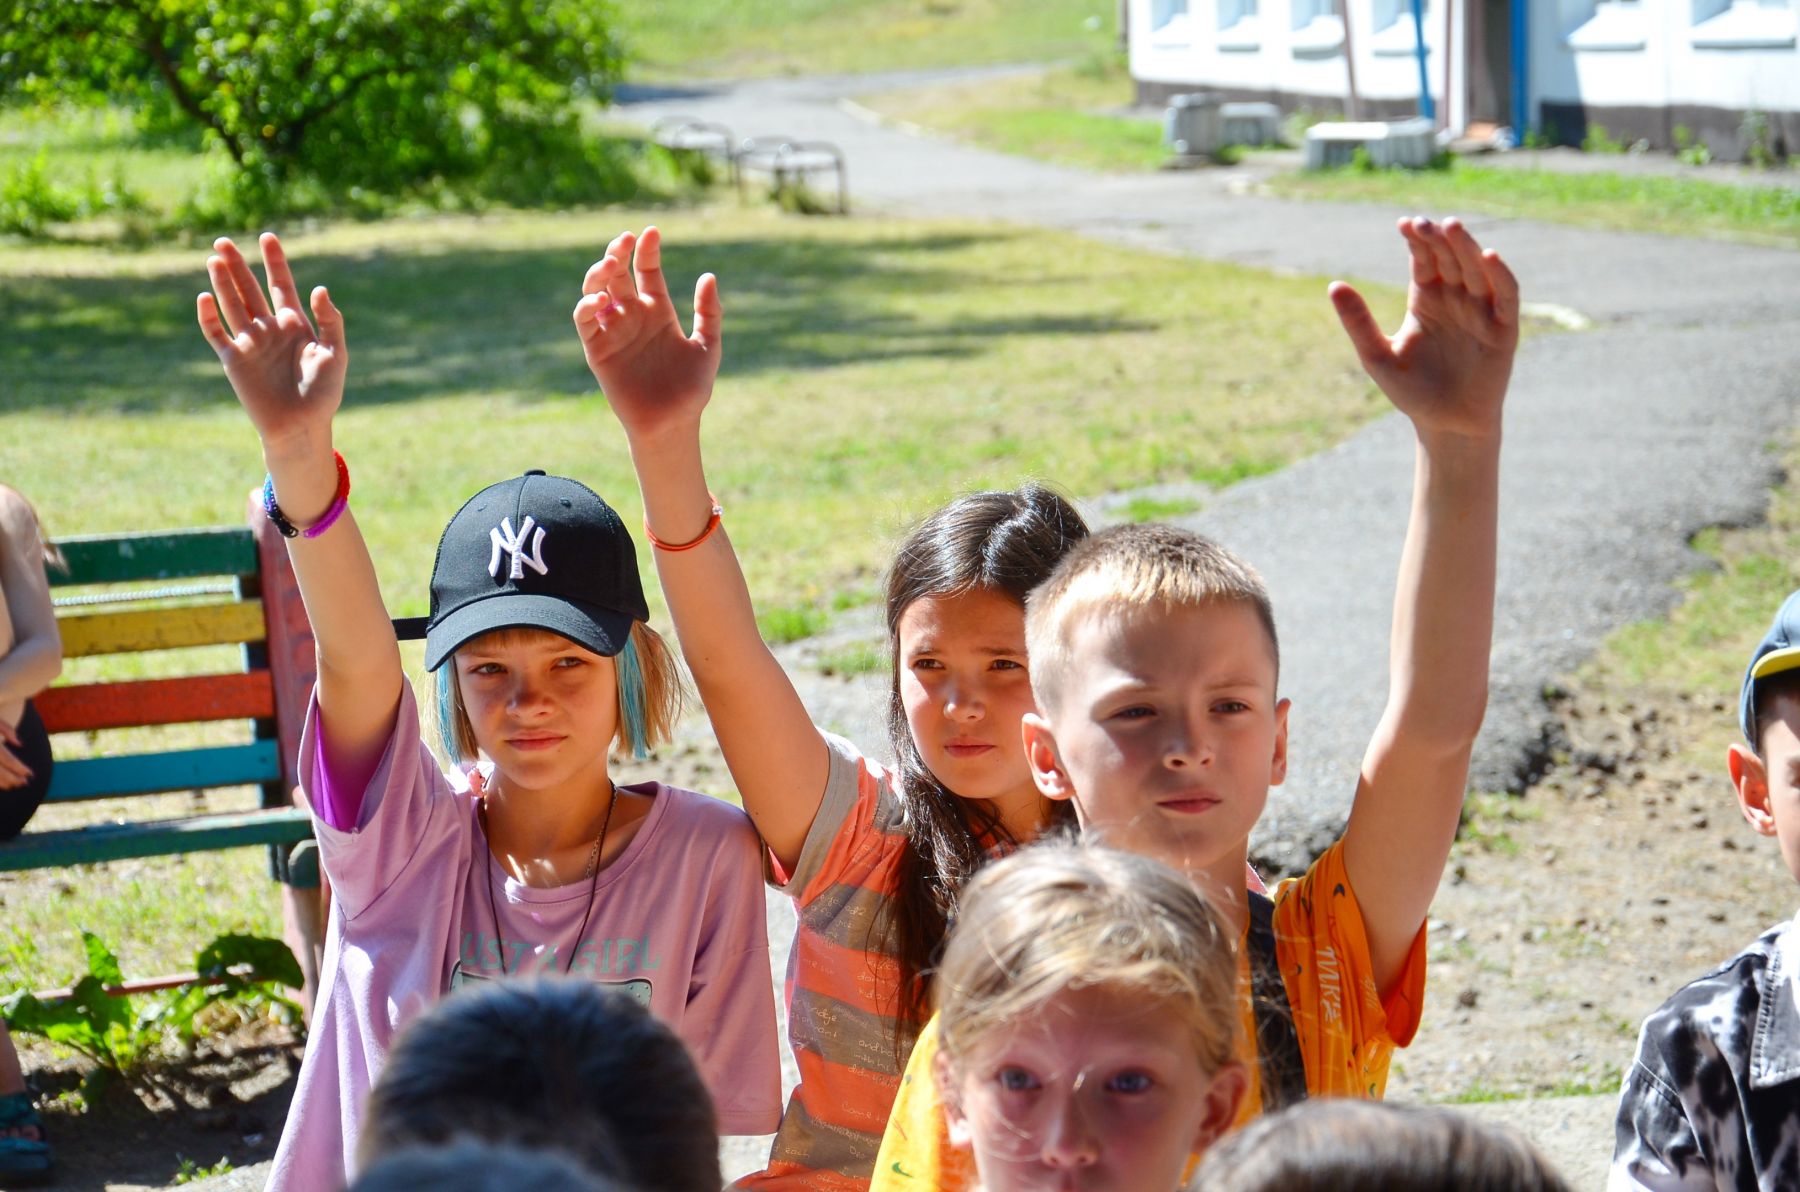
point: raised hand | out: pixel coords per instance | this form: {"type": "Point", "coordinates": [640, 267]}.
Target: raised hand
{"type": "Point", "coordinates": [289, 377]}
{"type": "Point", "coordinates": [654, 377]}
{"type": "Point", "coordinates": [1448, 365]}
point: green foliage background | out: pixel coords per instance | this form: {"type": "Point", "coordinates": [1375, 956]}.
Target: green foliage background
{"type": "Point", "coordinates": [328, 104]}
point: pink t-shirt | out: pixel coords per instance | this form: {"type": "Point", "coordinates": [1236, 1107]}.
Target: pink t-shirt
{"type": "Point", "coordinates": [678, 922]}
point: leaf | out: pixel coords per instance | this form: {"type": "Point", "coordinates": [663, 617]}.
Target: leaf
{"type": "Point", "coordinates": [89, 1021]}
{"type": "Point", "coordinates": [269, 960]}
{"type": "Point", "coordinates": [101, 962]}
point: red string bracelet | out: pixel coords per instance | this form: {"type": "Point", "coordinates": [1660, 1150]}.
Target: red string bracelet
{"type": "Point", "coordinates": [712, 523]}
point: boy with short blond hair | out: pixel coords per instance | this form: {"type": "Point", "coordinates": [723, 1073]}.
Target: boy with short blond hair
{"type": "Point", "coordinates": [1712, 1099]}
{"type": "Point", "coordinates": [1154, 663]}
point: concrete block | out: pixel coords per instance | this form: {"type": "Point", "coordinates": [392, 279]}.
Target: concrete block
{"type": "Point", "coordinates": [1411, 142]}
{"type": "Point", "coordinates": [1192, 126]}
{"type": "Point", "coordinates": [1250, 123]}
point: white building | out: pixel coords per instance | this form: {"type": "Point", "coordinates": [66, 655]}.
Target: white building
{"type": "Point", "coordinates": [1638, 68]}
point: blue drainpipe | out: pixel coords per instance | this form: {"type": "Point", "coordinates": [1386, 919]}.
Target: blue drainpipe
{"type": "Point", "coordinates": [1521, 68]}
{"type": "Point", "coordinates": [1427, 109]}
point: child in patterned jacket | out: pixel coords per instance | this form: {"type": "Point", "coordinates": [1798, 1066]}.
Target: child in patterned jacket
{"type": "Point", "coordinates": [1712, 1099]}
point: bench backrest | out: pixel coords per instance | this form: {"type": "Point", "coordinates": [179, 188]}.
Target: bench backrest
{"type": "Point", "coordinates": [226, 585]}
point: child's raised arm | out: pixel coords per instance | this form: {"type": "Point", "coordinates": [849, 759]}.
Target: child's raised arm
{"type": "Point", "coordinates": [1447, 370]}
{"type": "Point", "coordinates": [290, 381]}
{"type": "Point", "coordinates": [657, 382]}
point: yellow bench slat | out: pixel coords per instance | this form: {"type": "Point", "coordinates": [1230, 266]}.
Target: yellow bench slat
{"type": "Point", "coordinates": [161, 628]}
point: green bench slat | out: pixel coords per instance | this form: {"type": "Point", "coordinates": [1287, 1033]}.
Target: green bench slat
{"type": "Point", "coordinates": [117, 842]}
{"type": "Point", "coordinates": [154, 773]}
{"type": "Point", "coordinates": [180, 554]}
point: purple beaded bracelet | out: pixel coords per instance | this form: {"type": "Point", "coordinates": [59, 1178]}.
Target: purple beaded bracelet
{"type": "Point", "coordinates": [339, 503]}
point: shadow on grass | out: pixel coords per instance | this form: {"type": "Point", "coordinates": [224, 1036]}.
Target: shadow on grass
{"type": "Point", "coordinates": [426, 324]}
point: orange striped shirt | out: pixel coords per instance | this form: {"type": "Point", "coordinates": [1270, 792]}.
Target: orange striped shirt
{"type": "Point", "coordinates": [842, 985]}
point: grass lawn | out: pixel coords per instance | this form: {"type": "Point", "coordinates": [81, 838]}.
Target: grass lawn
{"type": "Point", "coordinates": [101, 144]}
{"type": "Point", "coordinates": [872, 368]}
{"type": "Point", "coordinates": [754, 38]}
{"type": "Point", "coordinates": [1070, 115]}
{"type": "Point", "coordinates": [1677, 206]}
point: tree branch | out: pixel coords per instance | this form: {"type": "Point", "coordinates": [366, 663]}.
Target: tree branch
{"type": "Point", "coordinates": [152, 45]}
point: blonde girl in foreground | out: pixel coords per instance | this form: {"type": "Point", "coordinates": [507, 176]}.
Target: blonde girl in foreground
{"type": "Point", "coordinates": [1088, 1018]}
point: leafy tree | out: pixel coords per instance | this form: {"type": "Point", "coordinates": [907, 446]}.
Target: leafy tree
{"type": "Point", "coordinates": [385, 96]}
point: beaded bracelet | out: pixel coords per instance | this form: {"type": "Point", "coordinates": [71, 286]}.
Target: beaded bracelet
{"type": "Point", "coordinates": [335, 510]}
{"type": "Point", "coordinates": [712, 523]}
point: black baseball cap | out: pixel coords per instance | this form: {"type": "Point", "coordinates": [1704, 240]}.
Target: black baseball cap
{"type": "Point", "coordinates": [1778, 651]}
{"type": "Point", "coordinates": [536, 551]}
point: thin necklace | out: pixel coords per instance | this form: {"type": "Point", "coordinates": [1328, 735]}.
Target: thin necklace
{"type": "Point", "coordinates": [593, 871]}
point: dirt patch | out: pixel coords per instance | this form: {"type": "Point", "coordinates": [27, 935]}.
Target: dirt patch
{"type": "Point", "coordinates": [1568, 914]}
{"type": "Point", "coordinates": [226, 1101]}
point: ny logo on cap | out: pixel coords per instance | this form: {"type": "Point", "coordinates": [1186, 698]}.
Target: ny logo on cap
{"type": "Point", "coordinates": [504, 539]}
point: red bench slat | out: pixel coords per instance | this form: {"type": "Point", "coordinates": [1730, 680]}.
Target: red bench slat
{"type": "Point", "coordinates": [157, 701]}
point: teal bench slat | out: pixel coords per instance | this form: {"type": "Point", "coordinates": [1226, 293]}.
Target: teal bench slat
{"type": "Point", "coordinates": [155, 773]}
{"type": "Point", "coordinates": [117, 558]}
{"type": "Point", "coordinates": [117, 842]}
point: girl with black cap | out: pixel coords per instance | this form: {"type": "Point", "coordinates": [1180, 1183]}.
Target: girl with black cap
{"type": "Point", "coordinates": [542, 661]}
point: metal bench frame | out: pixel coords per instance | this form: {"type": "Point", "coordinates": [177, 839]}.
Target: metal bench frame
{"type": "Point", "coordinates": [685, 134]}
{"type": "Point", "coordinates": [788, 161]}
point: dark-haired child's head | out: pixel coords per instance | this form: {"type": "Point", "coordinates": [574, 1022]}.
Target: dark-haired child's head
{"type": "Point", "coordinates": [1343, 1145]}
{"type": "Point", "coordinates": [1765, 769]}
{"type": "Point", "coordinates": [558, 1064]}
{"type": "Point", "coordinates": [961, 686]}
{"type": "Point", "coordinates": [956, 624]}
{"type": "Point", "coordinates": [470, 1166]}
{"type": "Point", "coordinates": [1155, 660]}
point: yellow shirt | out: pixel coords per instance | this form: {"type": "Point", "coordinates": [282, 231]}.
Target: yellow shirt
{"type": "Point", "coordinates": [1347, 1033]}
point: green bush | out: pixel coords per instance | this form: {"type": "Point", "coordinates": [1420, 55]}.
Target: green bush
{"type": "Point", "coordinates": [333, 103]}
{"type": "Point", "coordinates": [32, 203]}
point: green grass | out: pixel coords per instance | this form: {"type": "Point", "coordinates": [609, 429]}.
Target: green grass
{"type": "Point", "coordinates": [1149, 509]}
{"type": "Point", "coordinates": [192, 1172]}
{"type": "Point", "coordinates": [872, 368]}
{"type": "Point", "coordinates": [1481, 1093]}
{"type": "Point", "coordinates": [1684, 206]}
{"type": "Point", "coordinates": [1072, 115]}
{"type": "Point", "coordinates": [861, 658]}
{"type": "Point", "coordinates": [82, 143]}
{"type": "Point", "coordinates": [745, 38]}
{"type": "Point", "coordinates": [1699, 649]}
{"type": "Point", "coordinates": [790, 622]}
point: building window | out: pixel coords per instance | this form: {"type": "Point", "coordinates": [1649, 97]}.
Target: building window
{"type": "Point", "coordinates": [1743, 24]}
{"type": "Point", "coordinates": [1606, 25]}
{"type": "Point", "coordinates": [1169, 24]}
{"type": "Point", "coordinates": [1395, 33]}
{"type": "Point", "coordinates": [1240, 26]}
{"type": "Point", "coordinates": [1318, 30]}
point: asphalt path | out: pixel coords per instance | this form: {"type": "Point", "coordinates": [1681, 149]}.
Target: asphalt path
{"type": "Point", "coordinates": [1622, 440]}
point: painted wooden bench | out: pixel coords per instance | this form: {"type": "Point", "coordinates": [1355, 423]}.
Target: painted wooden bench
{"type": "Point", "coordinates": [167, 590]}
